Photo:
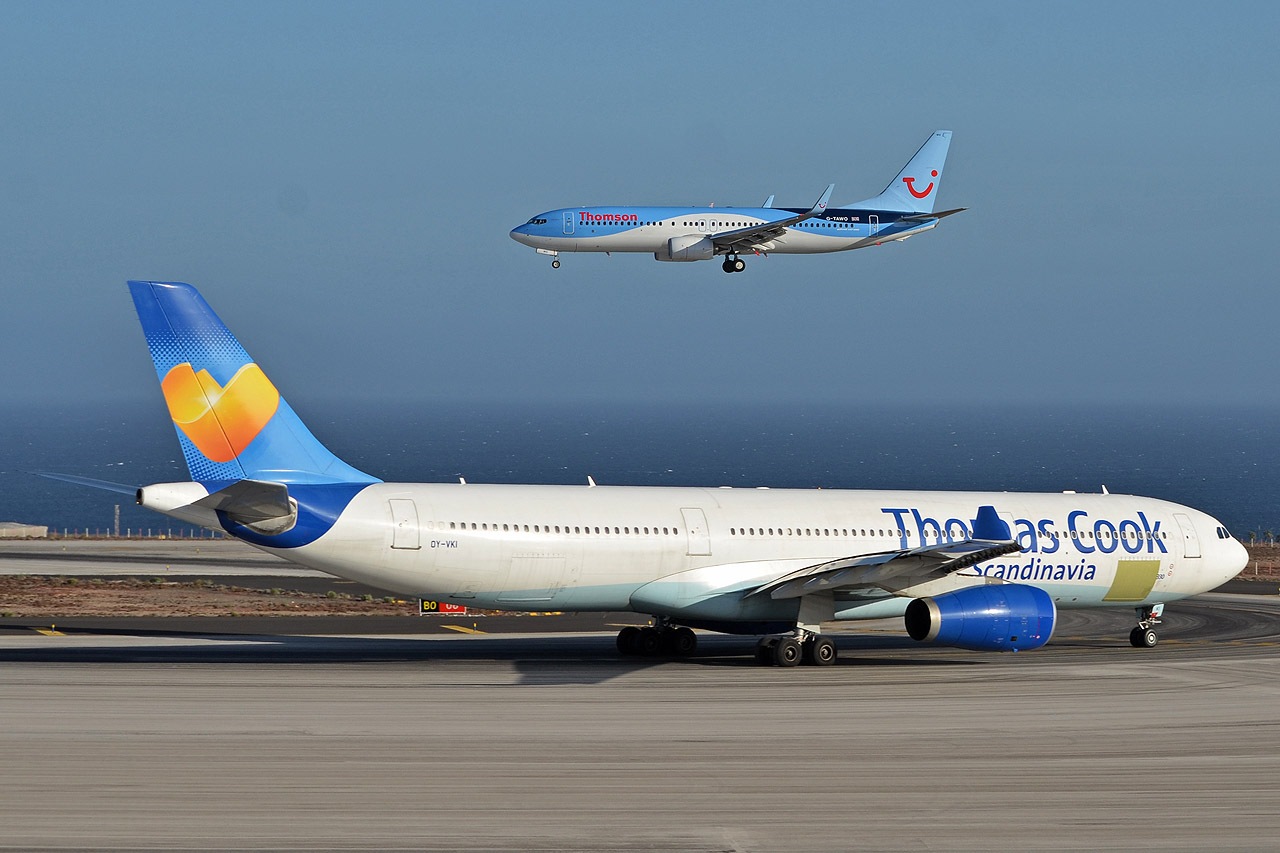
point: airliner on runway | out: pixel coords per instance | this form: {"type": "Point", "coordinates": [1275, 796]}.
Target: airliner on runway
{"type": "Point", "coordinates": [976, 570]}
{"type": "Point", "coordinates": [903, 210]}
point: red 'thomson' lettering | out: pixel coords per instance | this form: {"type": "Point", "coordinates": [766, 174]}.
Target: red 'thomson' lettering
{"type": "Point", "coordinates": [607, 218]}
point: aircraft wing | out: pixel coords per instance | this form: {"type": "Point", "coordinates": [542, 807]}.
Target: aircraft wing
{"type": "Point", "coordinates": [925, 217]}
{"type": "Point", "coordinates": [745, 239]}
{"type": "Point", "coordinates": [904, 567]}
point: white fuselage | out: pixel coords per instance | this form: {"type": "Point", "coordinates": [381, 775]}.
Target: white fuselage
{"type": "Point", "coordinates": [692, 552]}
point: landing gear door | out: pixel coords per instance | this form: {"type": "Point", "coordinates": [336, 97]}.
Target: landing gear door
{"type": "Point", "coordinates": [695, 525]}
{"type": "Point", "coordinates": [1190, 542]}
{"type": "Point", "coordinates": [404, 522]}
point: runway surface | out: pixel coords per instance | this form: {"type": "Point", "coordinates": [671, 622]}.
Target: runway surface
{"type": "Point", "coordinates": [551, 742]}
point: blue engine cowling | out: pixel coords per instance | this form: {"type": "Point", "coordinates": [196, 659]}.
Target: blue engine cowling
{"type": "Point", "coordinates": [1007, 617]}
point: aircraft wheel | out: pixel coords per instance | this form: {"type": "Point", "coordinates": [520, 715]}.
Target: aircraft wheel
{"type": "Point", "coordinates": [787, 652]}
{"type": "Point", "coordinates": [764, 651]}
{"type": "Point", "coordinates": [1143, 638]}
{"type": "Point", "coordinates": [681, 642]}
{"type": "Point", "coordinates": [629, 641]}
{"type": "Point", "coordinates": [555, 265]}
{"type": "Point", "coordinates": [821, 651]}
{"type": "Point", "coordinates": [738, 265]}
{"type": "Point", "coordinates": [727, 266]}
{"type": "Point", "coordinates": [649, 643]}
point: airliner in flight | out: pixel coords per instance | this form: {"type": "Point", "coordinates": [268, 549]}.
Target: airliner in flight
{"type": "Point", "coordinates": [974, 570]}
{"type": "Point", "coordinates": [903, 210]}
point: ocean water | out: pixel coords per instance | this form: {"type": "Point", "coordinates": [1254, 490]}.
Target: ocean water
{"type": "Point", "coordinates": [1225, 461]}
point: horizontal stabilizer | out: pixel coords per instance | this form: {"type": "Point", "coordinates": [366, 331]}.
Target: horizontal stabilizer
{"type": "Point", "coordinates": [251, 501]}
{"type": "Point", "coordinates": [923, 217]}
{"type": "Point", "coordinates": [86, 481]}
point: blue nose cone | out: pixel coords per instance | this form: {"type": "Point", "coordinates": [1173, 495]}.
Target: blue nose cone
{"type": "Point", "coordinates": [520, 232]}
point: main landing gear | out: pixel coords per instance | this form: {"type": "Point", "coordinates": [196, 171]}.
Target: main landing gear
{"type": "Point", "coordinates": [1144, 636]}
{"type": "Point", "coordinates": [790, 650]}
{"type": "Point", "coordinates": [662, 641]}
{"type": "Point", "coordinates": [733, 263]}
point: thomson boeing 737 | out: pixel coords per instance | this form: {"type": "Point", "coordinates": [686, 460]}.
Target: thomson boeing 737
{"type": "Point", "coordinates": [903, 210]}
{"type": "Point", "coordinates": [983, 571]}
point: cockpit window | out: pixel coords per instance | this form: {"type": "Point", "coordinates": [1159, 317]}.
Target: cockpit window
{"type": "Point", "coordinates": [536, 221]}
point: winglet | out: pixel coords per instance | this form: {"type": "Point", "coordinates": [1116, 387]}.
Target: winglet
{"type": "Point", "coordinates": [821, 204]}
{"type": "Point", "coordinates": [989, 525]}
{"type": "Point", "coordinates": [768, 203]}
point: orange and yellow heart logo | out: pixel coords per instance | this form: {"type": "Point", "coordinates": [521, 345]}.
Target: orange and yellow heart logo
{"type": "Point", "coordinates": [220, 421]}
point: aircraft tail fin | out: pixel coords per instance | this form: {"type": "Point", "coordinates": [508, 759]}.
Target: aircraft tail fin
{"type": "Point", "coordinates": [232, 423]}
{"type": "Point", "coordinates": [915, 188]}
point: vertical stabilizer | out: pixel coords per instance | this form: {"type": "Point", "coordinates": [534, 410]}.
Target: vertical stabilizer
{"type": "Point", "coordinates": [915, 188]}
{"type": "Point", "coordinates": [231, 421]}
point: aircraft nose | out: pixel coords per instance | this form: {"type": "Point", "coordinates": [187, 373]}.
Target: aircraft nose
{"type": "Point", "coordinates": [520, 233]}
{"type": "Point", "coordinates": [1237, 558]}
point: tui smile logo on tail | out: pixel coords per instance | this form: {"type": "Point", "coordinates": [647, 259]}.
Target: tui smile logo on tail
{"type": "Point", "coordinates": [220, 420]}
{"type": "Point", "coordinates": [911, 185]}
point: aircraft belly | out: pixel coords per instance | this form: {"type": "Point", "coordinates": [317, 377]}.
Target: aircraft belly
{"type": "Point", "coordinates": [800, 243]}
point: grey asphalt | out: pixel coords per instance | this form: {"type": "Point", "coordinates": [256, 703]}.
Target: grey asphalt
{"type": "Point", "coordinates": [549, 741]}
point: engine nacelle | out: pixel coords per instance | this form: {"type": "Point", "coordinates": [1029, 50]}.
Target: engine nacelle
{"type": "Point", "coordinates": [688, 247]}
{"type": "Point", "coordinates": [1007, 617]}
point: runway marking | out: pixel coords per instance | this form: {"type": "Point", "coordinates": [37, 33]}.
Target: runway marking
{"type": "Point", "coordinates": [49, 632]}
{"type": "Point", "coordinates": [462, 629]}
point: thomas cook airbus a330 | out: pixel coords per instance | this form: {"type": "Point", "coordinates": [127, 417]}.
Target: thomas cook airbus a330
{"type": "Point", "coordinates": [904, 209]}
{"type": "Point", "coordinates": [975, 570]}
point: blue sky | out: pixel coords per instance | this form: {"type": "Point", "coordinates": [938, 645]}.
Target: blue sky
{"type": "Point", "coordinates": [339, 181]}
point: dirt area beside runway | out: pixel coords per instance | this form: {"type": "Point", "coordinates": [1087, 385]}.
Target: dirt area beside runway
{"type": "Point", "coordinates": [1264, 564]}
{"type": "Point", "coordinates": [25, 596]}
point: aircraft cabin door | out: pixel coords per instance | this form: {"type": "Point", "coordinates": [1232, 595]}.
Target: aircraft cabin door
{"type": "Point", "coordinates": [1190, 542]}
{"type": "Point", "coordinates": [568, 222]}
{"type": "Point", "coordinates": [404, 521]}
{"type": "Point", "coordinates": [875, 224]}
{"type": "Point", "coordinates": [695, 525]}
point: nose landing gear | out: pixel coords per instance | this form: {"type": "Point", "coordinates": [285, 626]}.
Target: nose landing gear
{"type": "Point", "coordinates": [555, 257]}
{"type": "Point", "coordinates": [1144, 636]}
{"type": "Point", "coordinates": [733, 263]}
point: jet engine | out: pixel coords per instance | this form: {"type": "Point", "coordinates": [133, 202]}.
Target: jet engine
{"type": "Point", "coordinates": [999, 617]}
{"type": "Point", "coordinates": [689, 247]}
